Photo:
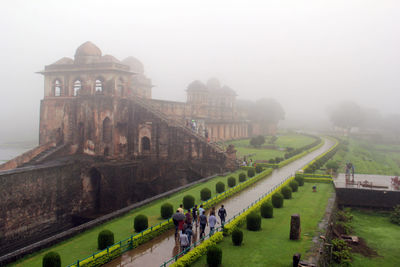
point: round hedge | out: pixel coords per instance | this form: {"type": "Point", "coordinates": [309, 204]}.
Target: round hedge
{"type": "Point", "coordinates": [51, 259]}
{"type": "Point", "coordinates": [267, 210]}
{"type": "Point", "coordinates": [237, 236]}
{"type": "Point", "coordinates": [231, 181]}
{"type": "Point", "coordinates": [140, 223]}
{"type": "Point", "coordinates": [188, 202]}
{"type": "Point", "coordinates": [105, 239]}
{"type": "Point", "coordinates": [214, 256]}
{"type": "Point", "coordinates": [253, 221]}
{"type": "Point", "coordinates": [220, 187]}
{"type": "Point", "coordinates": [242, 177]}
{"type": "Point", "coordinates": [205, 194]}
{"type": "Point", "coordinates": [259, 169]}
{"type": "Point", "coordinates": [167, 210]}
{"type": "Point", "coordinates": [299, 178]}
{"type": "Point", "coordinates": [251, 172]}
{"type": "Point", "coordinates": [294, 185]}
{"type": "Point", "coordinates": [287, 192]}
{"type": "Point", "coordinates": [277, 200]}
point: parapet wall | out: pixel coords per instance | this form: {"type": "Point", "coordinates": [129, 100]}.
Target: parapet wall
{"type": "Point", "coordinates": [368, 198]}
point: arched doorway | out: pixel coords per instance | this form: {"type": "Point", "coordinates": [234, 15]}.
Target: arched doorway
{"type": "Point", "coordinates": [145, 144]}
{"type": "Point", "coordinates": [95, 186]}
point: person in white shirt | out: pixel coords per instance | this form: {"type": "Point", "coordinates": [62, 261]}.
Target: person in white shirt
{"type": "Point", "coordinates": [212, 221]}
{"type": "Point", "coordinates": [184, 240]}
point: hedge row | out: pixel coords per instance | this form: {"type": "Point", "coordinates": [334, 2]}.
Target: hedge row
{"type": "Point", "coordinates": [304, 148]}
{"type": "Point", "coordinates": [321, 159]}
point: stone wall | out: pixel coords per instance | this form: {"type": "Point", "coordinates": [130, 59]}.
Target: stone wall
{"type": "Point", "coordinates": [368, 198]}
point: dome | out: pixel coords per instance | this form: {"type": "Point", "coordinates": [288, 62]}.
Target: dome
{"type": "Point", "coordinates": [88, 49]}
{"type": "Point", "coordinates": [134, 64]}
{"type": "Point", "coordinates": [64, 60]}
{"type": "Point", "coordinates": [228, 90]}
{"type": "Point", "coordinates": [213, 83]}
{"type": "Point", "coordinates": [109, 58]}
{"type": "Point", "coordinates": [197, 86]}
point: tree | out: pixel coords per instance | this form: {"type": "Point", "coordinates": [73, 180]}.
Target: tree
{"type": "Point", "coordinates": [257, 141]}
{"type": "Point", "coordinates": [347, 115]}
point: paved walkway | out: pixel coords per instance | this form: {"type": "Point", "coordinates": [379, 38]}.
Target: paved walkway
{"type": "Point", "coordinates": [162, 248]}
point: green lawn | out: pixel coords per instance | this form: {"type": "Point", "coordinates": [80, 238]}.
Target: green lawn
{"type": "Point", "coordinates": [84, 244]}
{"type": "Point", "coordinates": [380, 234]}
{"type": "Point", "coordinates": [271, 246]}
{"type": "Point", "coordinates": [288, 140]}
{"type": "Point", "coordinates": [369, 158]}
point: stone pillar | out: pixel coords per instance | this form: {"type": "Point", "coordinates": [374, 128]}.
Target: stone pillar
{"type": "Point", "coordinates": [295, 228]}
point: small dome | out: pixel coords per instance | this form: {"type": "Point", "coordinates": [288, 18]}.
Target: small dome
{"type": "Point", "coordinates": [88, 49]}
{"type": "Point", "coordinates": [109, 58]}
{"type": "Point", "coordinates": [213, 83]}
{"type": "Point", "coordinates": [134, 64]}
{"type": "Point", "coordinates": [64, 60]}
{"type": "Point", "coordinates": [197, 86]}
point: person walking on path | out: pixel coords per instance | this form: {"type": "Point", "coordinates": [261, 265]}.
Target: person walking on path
{"type": "Point", "coordinates": [194, 214]}
{"type": "Point", "coordinates": [222, 214]}
{"type": "Point", "coordinates": [178, 219]}
{"type": "Point", "coordinates": [212, 222]}
{"type": "Point", "coordinates": [181, 209]}
{"type": "Point", "coordinates": [189, 233]}
{"type": "Point", "coordinates": [188, 219]}
{"type": "Point", "coordinates": [184, 240]}
{"type": "Point", "coordinates": [203, 223]}
{"type": "Point", "coordinates": [201, 210]}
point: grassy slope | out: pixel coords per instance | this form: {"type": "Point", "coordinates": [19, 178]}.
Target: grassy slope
{"type": "Point", "coordinates": [290, 140]}
{"type": "Point", "coordinates": [370, 158]}
{"type": "Point", "coordinates": [381, 235]}
{"type": "Point", "coordinates": [271, 246]}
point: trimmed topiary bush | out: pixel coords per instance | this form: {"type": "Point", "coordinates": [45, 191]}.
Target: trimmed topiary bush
{"type": "Point", "coordinates": [253, 221]}
{"type": "Point", "coordinates": [51, 259]}
{"type": "Point", "coordinates": [237, 236]}
{"type": "Point", "coordinates": [231, 181]}
{"type": "Point", "coordinates": [251, 172]}
{"type": "Point", "coordinates": [214, 256]}
{"type": "Point", "coordinates": [267, 210]}
{"type": "Point", "coordinates": [242, 177]}
{"type": "Point", "coordinates": [188, 202]}
{"type": "Point", "coordinates": [259, 169]}
{"type": "Point", "coordinates": [287, 192]}
{"type": "Point", "coordinates": [294, 185]}
{"type": "Point", "coordinates": [277, 200]}
{"type": "Point", "coordinates": [299, 178]}
{"type": "Point", "coordinates": [105, 239]}
{"type": "Point", "coordinates": [140, 223]}
{"type": "Point", "coordinates": [205, 194]}
{"type": "Point", "coordinates": [167, 210]}
{"type": "Point", "coordinates": [220, 187]}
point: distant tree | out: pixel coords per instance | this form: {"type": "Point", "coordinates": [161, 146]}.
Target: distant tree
{"type": "Point", "coordinates": [347, 115]}
{"type": "Point", "coordinates": [257, 141]}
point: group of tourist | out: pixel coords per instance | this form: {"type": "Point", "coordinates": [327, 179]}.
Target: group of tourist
{"type": "Point", "coordinates": [195, 128]}
{"type": "Point", "coordinates": [197, 217]}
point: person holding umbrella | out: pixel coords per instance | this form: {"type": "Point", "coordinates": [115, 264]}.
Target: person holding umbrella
{"type": "Point", "coordinates": [178, 219]}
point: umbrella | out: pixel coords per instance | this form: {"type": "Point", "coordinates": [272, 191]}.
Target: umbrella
{"type": "Point", "coordinates": [178, 216]}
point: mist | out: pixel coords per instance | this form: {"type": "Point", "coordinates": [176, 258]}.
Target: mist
{"type": "Point", "coordinates": [307, 55]}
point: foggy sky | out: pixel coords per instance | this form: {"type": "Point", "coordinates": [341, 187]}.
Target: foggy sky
{"type": "Point", "coordinates": [305, 54]}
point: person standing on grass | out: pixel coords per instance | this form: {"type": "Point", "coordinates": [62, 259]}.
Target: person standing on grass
{"type": "Point", "coordinates": [184, 240]}
{"type": "Point", "coordinates": [212, 221]}
{"type": "Point", "coordinates": [203, 223]}
{"type": "Point", "coordinates": [222, 214]}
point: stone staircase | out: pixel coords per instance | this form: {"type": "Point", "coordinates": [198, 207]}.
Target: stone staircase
{"type": "Point", "coordinates": [177, 124]}
{"type": "Point", "coordinates": [43, 155]}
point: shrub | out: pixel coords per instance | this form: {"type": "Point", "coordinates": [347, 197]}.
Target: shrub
{"type": "Point", "coordinates": [231, 181]}
{"type": "Point", "coordinates": [294, 185]}
{"type": "Point", "coordinates": [140, 223]}
{"type": "Point", "coordinates": [257, 141]}
{"type": "Point", "coordinates": [205, 194]}
{"type": "Point", "coordinates": [332, 165]}
{"type": "Point", "coordinates": [105, 239]}
{"type": "Point", "coordinates": [395, 215]}
{"type": "Point", "coordinates": [242, 177]}
{"type": "Point", "coordinates": [299, 178]}
{"type": "Point", "coordinates": [167, 210]}
{"type": "Point", "coordinates": [272, 161]}
{"type": "Point", "coordinates": [267, 210]}
{"type": "Point", "coordinates": [277, 200]}
{"type": "Point", "coordinates": [253, 221]}
{"type": "Point", "coordinates": [188, 202]}
{"type": "Point", "coordinates": [341, 252]}
{"type": "Point", "coordinates": [250, 172]}
{"type": "Point", "coordinates": [237, 236]}
{"type": "Point", "coordinates": [214, 256]}
{"type": "Point", "coordinates": [259, 169]}
{"type": "Point", "coordinates": [287, 192]}
{"type": "Point", "coordinates": [220, 187]}
{"type": "Point", "coordinates": [51, 259]}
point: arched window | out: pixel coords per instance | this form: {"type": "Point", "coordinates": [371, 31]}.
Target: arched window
{"type": "Point", "coordinates": [57, 88]}
{"type": "Point", "coordinates": [107, 130]}
{"type": "Point", "coordinates": [99, 85]}
{"type": "Point", "coordinates": [120, 87]}
{"type": "Point", "coordinates": [77, 87]}
{"type": "Point", "coordinates": [145, 143]}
